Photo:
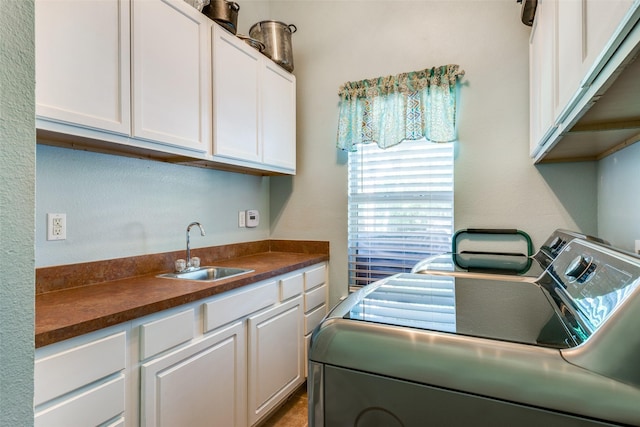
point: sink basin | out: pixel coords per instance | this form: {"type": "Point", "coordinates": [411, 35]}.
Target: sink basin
{"type": "Point", "coordinates": [207, 273]}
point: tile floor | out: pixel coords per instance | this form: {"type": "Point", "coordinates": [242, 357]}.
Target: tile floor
{"type": "Point", "coordinates": [293, 412]}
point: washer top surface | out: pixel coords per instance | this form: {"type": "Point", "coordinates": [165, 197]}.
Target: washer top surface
{"type": "Point", "coordinates": [502, 310]}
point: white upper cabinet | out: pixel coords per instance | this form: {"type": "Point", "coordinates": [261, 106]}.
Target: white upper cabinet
{"type": "Point", "coordinates": [158, 79]}
{"type": "Point", "coordinates": [278, 117]}
{"type": "Point", "coordinates": [584, 28]}
{"type": "Point", "coordinates": [171, 60]}
{"type": "Point", "coordinates": [601, 19]}
{"type": "Point", "coordinates": [82, 63]}
{"type": "Point", "coordinates": [254, 107]}
{"type": "Point", "coordinates": [541, 73]}
{"type": "Point", "coordinates": [570, 50]}
{"type": "Point", "coordinates": [131, 73]}
{"type": "Point", "coordinates": [236, 68]}
{"type": "Point", "coordinates": [577, 49]}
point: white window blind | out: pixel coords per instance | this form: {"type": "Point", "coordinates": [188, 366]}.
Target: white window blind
{"type": "Point", "coordinates": [400, 207]}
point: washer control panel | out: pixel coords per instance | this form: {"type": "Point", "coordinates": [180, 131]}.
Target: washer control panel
{"type": "Point", "coordinates": [593, 280]}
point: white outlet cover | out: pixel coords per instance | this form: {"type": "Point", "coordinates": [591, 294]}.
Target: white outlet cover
{"type": "Point", "coordinates": [56, 226]}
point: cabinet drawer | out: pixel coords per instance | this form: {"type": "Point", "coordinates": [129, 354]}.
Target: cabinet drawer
{"type": "Point", "coordinates": [315, 277]}
{"type": "Point", "coordinates": [315, 297]}
{"type": "Point", "coordinates": [68, 370]}
{"type": "Point", "coordinates": [241, 303]}
{"type": "Point", "coordinates": [165, 333]}
{"type": "Point", "coordinates": [311, 320]}
{"type": "Point", "coordinates": [291, 287]}
{"type": "Point", "coordinates": [91, 408]}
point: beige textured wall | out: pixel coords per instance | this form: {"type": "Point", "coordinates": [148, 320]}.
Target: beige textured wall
{"type": "Point", "coordinates": [17, 201]}
{"type": "Point", "coordinates": [496, 184]}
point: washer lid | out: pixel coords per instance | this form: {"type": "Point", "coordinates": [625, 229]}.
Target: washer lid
{"type": "Point", "coordinates": [502, 310]}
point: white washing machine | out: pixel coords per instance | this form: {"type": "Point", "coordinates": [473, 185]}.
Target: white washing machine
{"type": "Point", "coordinates": [436, 350]}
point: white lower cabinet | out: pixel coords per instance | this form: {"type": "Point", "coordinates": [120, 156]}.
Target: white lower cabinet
{"type": "Point", "coordinates": [81, 382]}
{"type": "Point", "coordinates": [226, 361]}
{"type": "Point", "coordinates": [199, 385]}
{"type": "Point", "coordinates": [316, 303]}
{"type": "Point", "coordinates": [276, 356]}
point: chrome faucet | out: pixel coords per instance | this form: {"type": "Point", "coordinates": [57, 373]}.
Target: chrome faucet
{"type": "Point", "coordinates": [188, 245]}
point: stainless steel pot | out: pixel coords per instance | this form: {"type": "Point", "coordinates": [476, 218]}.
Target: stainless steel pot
{"type": "Point", "coordinates": [224, 13]}
{"type": "Point", "coordinates": [256, 44]}
{"type": "Point", "coordinates": [276, 37]}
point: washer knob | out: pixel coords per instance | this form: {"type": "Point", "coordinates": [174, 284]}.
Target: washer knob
{"type": "Point", "coordinates": [578, 267]}
{"type": "Point", "coordinates": [556, 243]}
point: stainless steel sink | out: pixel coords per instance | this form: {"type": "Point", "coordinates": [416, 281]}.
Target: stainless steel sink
{"type": "Point", "coordinates": [207, 274]}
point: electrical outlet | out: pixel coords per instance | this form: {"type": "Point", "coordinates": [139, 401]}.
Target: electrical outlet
{"type": "Point", "coordinates": [241, 219]}
{"type": "Point", "coordinates": [56, 226]}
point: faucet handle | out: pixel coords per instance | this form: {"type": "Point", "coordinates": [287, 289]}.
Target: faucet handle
{"type": "Point", "coordinates": [195, 262]}
{"type": "Point", "coordinates": [180, 265]}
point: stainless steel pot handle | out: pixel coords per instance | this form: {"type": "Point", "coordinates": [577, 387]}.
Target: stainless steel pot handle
{"type": "Point", "coordinates": [294, 28]}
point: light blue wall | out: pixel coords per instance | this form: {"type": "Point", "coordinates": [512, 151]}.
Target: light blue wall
{"type": "Point", "coordinates": [619, 197]}
{"type": "Point", "coordinates": [17, 185]}
{"type": "Point", "coordinates": [118, 206]}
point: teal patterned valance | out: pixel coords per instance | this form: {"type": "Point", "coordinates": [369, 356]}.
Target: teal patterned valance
{"type": "Point", "coordinates": [389, 110]}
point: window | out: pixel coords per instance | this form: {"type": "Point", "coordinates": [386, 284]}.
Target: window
{"type": "Point", "coordinates": [400, 207]}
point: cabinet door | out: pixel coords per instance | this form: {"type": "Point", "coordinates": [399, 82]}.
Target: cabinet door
{"type": "Point", "coordinates": [276, 356]}
{"type": "Point", "coordinates": [542, 74]}
{"type": "Point", "coordinates": [584, 27]}
{"type": "Point", "coordinates": [602, 18]}
{"type": "Point", "coordinates": [235, 98]}
{"type": "Point", "coordinates": [82, 63]}
{"type": "Point", "coordinates": [278, 117]}
{"type": "Point", "coordinates": [171, 62]}
{"type": "Point", "coordinates": [200, 385]}
{"type": "Point", "coordinates": [570, 55]}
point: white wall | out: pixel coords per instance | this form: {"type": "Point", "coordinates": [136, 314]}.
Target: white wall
{"type": "Point", "coordinates": [496, 184]}
{"type": "Point", "coordinates": [17, 195]}
{"type": "Point", "coordinates": [618, 200]}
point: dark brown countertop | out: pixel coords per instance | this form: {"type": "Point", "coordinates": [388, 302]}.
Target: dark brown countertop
{"type": "Point", "coordinates": [65, 312]}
